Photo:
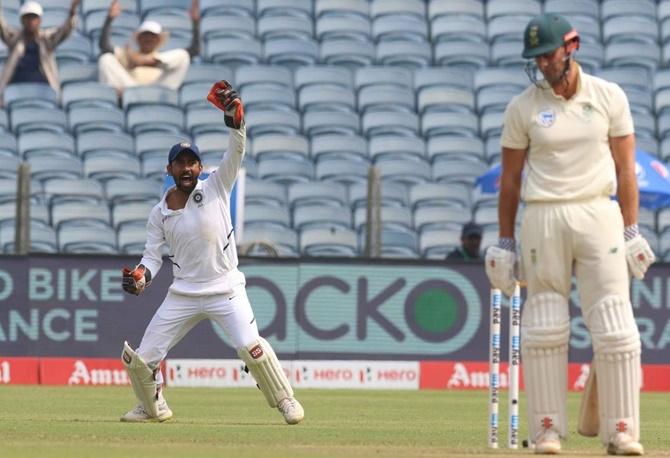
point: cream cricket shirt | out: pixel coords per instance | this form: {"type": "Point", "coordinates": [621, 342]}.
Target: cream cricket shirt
{"type": "Point", "coordinates": [567, 140]}
{"type": "Point", "coordinates": [200, 235]}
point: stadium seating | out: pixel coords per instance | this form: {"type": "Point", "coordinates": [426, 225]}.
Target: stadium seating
{"type": "Point", "coordinates": [416, 88]}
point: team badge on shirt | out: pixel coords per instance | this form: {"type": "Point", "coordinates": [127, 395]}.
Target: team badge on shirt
{"type": "Point", "coordinates": [546, 118]}
{"type": "Point", "coordinates": [587, 112]}
{"type": "Point", "coordinates": [197, 197]}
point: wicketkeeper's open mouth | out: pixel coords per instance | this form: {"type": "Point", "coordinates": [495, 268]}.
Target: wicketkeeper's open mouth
{"type": "Point", "coordinates": [186, 180]}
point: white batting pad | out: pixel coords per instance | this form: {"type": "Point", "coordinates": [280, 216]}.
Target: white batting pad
{"type": "Point", "coordinates": [616, 347]}
{"type": "Point", "coordinates": [545, 330]}
{"type": "Point", "coordinates": [263, 364]}
{"type": "Point", "coordinates": [142, 379]}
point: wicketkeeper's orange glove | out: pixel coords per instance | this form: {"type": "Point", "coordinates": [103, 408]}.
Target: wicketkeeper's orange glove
{"type": "Point", "coordinates": [225, 98]}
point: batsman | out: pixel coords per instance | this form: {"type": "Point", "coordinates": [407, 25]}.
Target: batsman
{"type": "Point", "coordinates": [193, 218]}
{"type": "Point", "coordinates": [568, 145]}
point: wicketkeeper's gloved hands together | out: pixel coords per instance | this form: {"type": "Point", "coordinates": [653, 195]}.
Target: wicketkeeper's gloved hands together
{"type": "Point", "coordinates": [639, 255]}
{"type": "Point", "coordinates": [499, 263]}
{"type": "Point", "coordinates": [225, 98]}
{"type": "Point", "coordinates": [136, 280]}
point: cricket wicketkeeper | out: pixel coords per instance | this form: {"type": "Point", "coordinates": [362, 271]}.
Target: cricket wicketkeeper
{"type": "Point", "coordinates": [571, 134]}
{"type": "Point", "coordinates": [193, 218]}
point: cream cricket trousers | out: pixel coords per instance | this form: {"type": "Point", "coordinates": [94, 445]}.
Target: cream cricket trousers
{"type": "Point", "coordinates": [114, 74]}
{"type": "Point", "coordinates": [587, 236]}
{"type": "Point", "coordinates": [178, 314]}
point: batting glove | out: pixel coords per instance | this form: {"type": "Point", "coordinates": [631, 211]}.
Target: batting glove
{"type": "Point", "coordinates": [225, 98]}
{"type": "Point", "coordinates": [639, 255]}
{"type": "Point", "coordinates": [136, 280]}
{"type": "Point", "coordinates": [499, 264]}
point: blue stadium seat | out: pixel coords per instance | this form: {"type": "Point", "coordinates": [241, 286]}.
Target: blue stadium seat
{"type": "Point", "coordinates": [348, 53]}
{"type": "Point", "coordinates": [459, 171]}
{"type": "Point", "coordinates": [65, 190]}
{"type": "Point", "coordinates": [328, 242]}
{"type": "Point", "coordinates": [461, 54]}
{"type": "Point", "coordinates": [39, 95]}
{"type": "Point", "coordinates": [76, 49]}
{"type": "Point", "coordinates": [316, 123]}
{"type": "Point", "coordinates": [405, 53]}
{"type": "Point", "coordinates": [262, 215]}
{"type": "Point", "coordinates": [445, 98]}
{"type": "Point", "coordinates": [387, 77]}
{"type": "Point", "coordinates": [263, 77]}
{"type": "Point", "coordinates": [87, 239]}
{"type": "Point", "coordinates": [131, 213]}
{"type": "Point", "coordinates": [152, 143]}
{"type": "Point", "coordinates": [630, 28]}
{"type": "Point", "coordinates": [380, 98]}
{"type": "Point", "coordinates": [272, 8]}
{"type": "Point", "coordinates": [263, 122]}
{"type": "Point", "coordinates": [285, 170]}
{"type": "Point", "coordinates": [194, 95]}
{"type": "Point", "coordinates": [350, 27]}
{"type": "Point", "coordinates": [105, 165]}
{"type": "Point", "coordinates": [446, 28]}
{"type": "Point", "coordinates": [314, 216]}
{"type": "Point", "coordinates": [155, 118]}
{"type": "Point", "coordinates": [232, 52]}
{"type": "Point", "coordinates": [285, 242]}
{"type": "Point", "coordinates": [395, 147]}
{"type": "Point", "coordinates": [398, 27]}
{"type": "Point", "coordinates": [379, 123]}
{"type": "Point", "coordinates": [439, 123]}
{"type": "Point", "coordinates": [8, 190]}
{"type": "Point", "coordinates": [391, 217]}
{"type": "Point", "coordinates": [123, 190]}
{"type": "Point", "coordinates": [100, 142]}
{"type": "Point", "coordinates": [440, 195]}
{"type": "Point", "coordinates": [74, 213]}
{"type": "Point", "coordinates": [346, 8]}
{"type": "Point", "coordinates": [439, 76]}
{"type": "Point", "coordinates": [491, 124]}
{"type": "Point", "coordinates": [445, 147]}
{"type": "Point", "coordinates": [124, 25]}
{"type": "Point", "coordinates": [131, 239]}
{"type": "Point", "coordinates": [208, 73]}
{"type": "Point", "coordinates": [428, 217]}
{"type": "Point", "coordinates": [404, 171]}
{"type": "Point", "coordinates": [507, 54]}
{"type": "Point", "coordinates": [392, 194]}
{"type": "Point", "coordinates": [633, 54]}
{"type": "Point", "coordinates": [526, 8]}
{"type": "Point", "coordinates": [42, 238]}
{"type": "Point", "coordinates": [437, 243]}
{"type": "Point", "coordinates": [323, 75]}
{"type": "Point", "coordinates": [82, 119]}
{"type": "Point", "coordinates": [228, 27]}
{"type": "Point", "coordinates": [353, 148]}
{"type": "Point", "coordinates": [343, 171]}
{"type": "Point", "coordinates": [281, 146]}
{"type": "Point", "coordinates": [506, 28]}
{"type": "Point", "coordinates": [239, 8]}
{"type": "Point", "coordinates": [28, 119]}
{"type": "Point", "coordinates": [44, 142]}
{"type": "Point", "coordinates": [176, 7]}
{"type": "Point", "coordinates": [261, 97]}
{"type": "Point", "coordinates": [39, 213]}
{"type": "Point", "coordinates": [285, 26]}
{"type": "Point", "coordinates": [89, 94]}
{"type": "Point", "coordinates": [8, 146]}
{"type": "Point", "coordinates": [265, 192]}
{"type": "Point", "coordinates": [291, 52]}
{"type": "Point", "coordinates": [315, 98]}
{"type": "Point", "coordinates": [614, 8]}
{"type": "Point", "coordinates": [317, 193]}
{"type": "Point", "coordinates": [10, 167]}
{"type": "Point", "coordinates": [149, 95]}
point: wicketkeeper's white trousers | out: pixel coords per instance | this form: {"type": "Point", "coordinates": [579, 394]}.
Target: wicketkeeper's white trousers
{"type": "Point", "coordinates": [178, 314]}
{"type": "Point", "coordinates": [114, 74]}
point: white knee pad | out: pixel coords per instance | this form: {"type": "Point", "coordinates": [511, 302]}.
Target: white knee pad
{"type": "Point", "coordinates": [263, 364]}
{"type": "Point", "coordinates": [142, 379]}
{"type": "Point", "coordinates": [616, 348]}
{"type": "Point", "coordinates": [545, 331]}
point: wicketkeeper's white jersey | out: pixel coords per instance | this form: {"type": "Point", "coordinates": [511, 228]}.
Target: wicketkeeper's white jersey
{"type": "Point", "coordinates": [569, 157]}
{"type": "Point", "coordinates": [200, 235]}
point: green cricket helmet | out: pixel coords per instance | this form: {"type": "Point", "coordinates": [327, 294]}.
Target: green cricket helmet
{"type": "Point", "coordinates": [546, 32]}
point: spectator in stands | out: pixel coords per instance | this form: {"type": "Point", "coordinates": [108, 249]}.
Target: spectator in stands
{"type": "Point", "coordinates": [124, 67]}
{"type": "Point", "coordinates": [471, 239]}
{"type": "Point", "coordinates": [30, 51]}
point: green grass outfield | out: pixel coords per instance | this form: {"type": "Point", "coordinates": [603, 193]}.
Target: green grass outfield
{"type": "Point", "coordinates": [84, 422]}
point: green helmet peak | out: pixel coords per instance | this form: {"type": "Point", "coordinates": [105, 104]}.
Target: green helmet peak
{"type": "Point", "coordinates": [546, 32]}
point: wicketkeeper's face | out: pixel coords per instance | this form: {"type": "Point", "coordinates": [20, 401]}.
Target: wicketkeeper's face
{"type": "Point", "coordinates": [185, 170]}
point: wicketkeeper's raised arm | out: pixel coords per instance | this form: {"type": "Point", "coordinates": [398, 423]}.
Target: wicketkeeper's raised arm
{"type": "Point", "coordinates": [227, 99]}
{"type": "Point", "coordinates": [152, 258]}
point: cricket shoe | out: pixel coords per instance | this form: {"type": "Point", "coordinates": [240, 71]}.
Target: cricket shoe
{"type": "Point", "coordinates": [139, 415]}
{"type": "Point", "coordinates": [292, 411]}
{"type": "Point", "coordinates": [623, 445]}
{"type": "Point", "coordinates": [547, 443]}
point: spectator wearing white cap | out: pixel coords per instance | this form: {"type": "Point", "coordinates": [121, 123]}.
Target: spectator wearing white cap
{"type": "Point", "coordinates": [31, 50]}
{"type": "Point", "coordinates": [122, 67]}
